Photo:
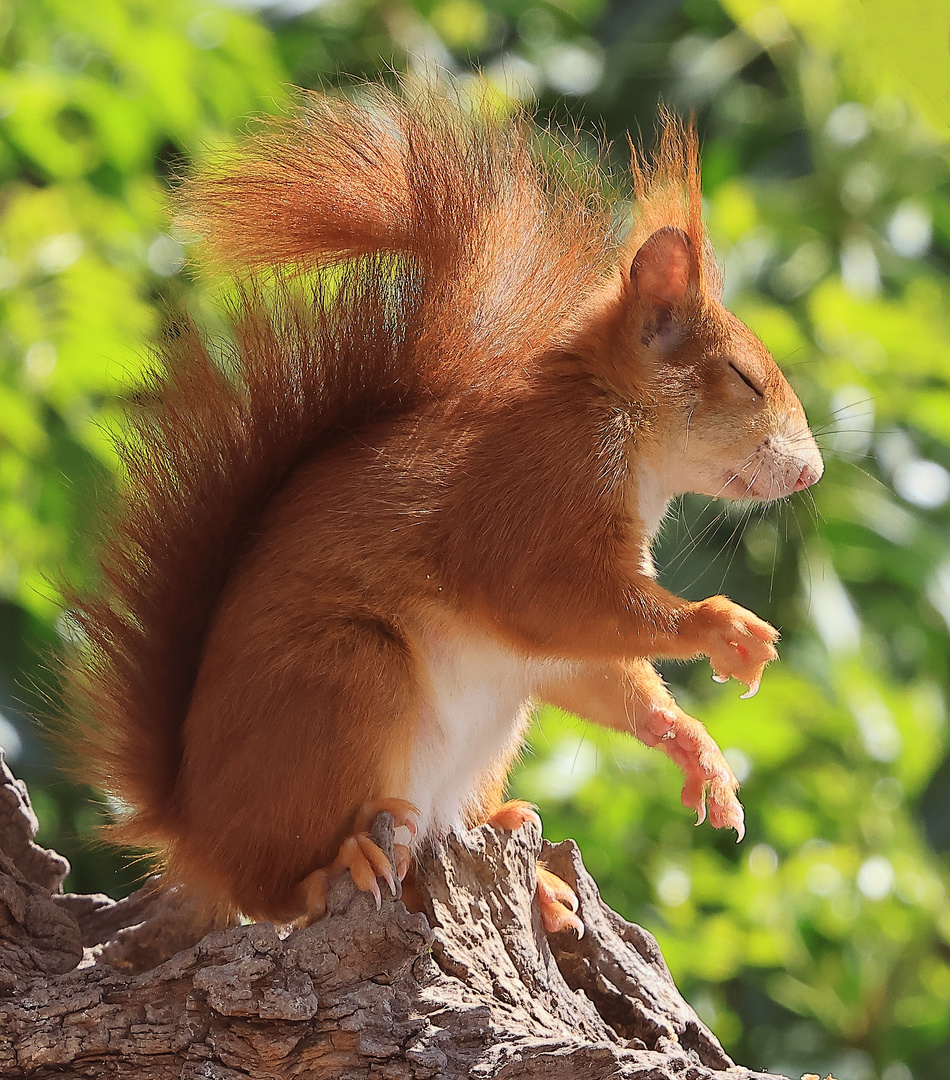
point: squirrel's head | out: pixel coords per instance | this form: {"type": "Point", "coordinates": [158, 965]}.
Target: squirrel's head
{"type": "Point", "coordinates": [725, 420]}
{"type": "Point", "coordinates": [717, 416]}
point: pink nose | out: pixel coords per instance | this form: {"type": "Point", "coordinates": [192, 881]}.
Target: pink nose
{"type": "Point", "coordinates": [806, 479]}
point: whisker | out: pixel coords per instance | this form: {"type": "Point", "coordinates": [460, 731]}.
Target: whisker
{"type": "Point", "coordinates": [811, 505]}
{"type": "Point", "coordinates": [843, 409]}
{"type": "Point", "coordinates": [799, 363]}
{"type": "Point", "coordinates": [683, 553]}
{"type": "Point", "coordinates": [825, 435]}
{"type": "Point", "coordinates": [774, 561]}
{"type": "Point", "coordinates": [853, 455]}
{"type": "Point", "coordinates": [807, 563]}
{"type": "Point", "coordinates": [742, 525]}
{"type": "Point", "coordinates": [728, 541]}
{"type": "Point", "coordinates": [870, 476]}
{"type": "Point", "coordinates": [832, 426]}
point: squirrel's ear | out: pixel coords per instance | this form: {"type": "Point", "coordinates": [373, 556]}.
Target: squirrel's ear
{"type": "Point", "coordinates": [663, 267]}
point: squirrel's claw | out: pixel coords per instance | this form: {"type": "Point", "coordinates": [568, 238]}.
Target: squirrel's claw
{"type": "Point", "coordinates": [752, 691]}
{"type": "Point", "coordinates": [753, 685]}
{"type": "Point", "coordinates": [366, 863]}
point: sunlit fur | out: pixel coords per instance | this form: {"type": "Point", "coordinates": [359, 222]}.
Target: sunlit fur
{"type": "Point", "coordinates": [416, 494]}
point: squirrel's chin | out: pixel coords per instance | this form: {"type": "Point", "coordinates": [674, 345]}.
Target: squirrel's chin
{"type": "Point", "coordinates": [735, 488]}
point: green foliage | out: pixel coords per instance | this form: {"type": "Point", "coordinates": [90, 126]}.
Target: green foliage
{"type": "Point", "coordinates": [821, 943]}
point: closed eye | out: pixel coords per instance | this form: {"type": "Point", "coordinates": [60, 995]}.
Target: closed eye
{"type": "Point", "coordinates": [745, 378]}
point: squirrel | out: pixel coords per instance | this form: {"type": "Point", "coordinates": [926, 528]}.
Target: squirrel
{"type": "Point", "coordinates": [415, 496]}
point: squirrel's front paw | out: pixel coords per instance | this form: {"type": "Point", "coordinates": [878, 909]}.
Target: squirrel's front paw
{"type": "Point", "coordinates": [714, 789]}
{"type": "Point", "coordinates": [738, 643]}
{"type": "Point", "coordinates": [709, 784]}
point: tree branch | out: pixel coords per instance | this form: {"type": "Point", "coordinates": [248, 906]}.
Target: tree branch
{"type": "Point", "coordinates": [470, 987]}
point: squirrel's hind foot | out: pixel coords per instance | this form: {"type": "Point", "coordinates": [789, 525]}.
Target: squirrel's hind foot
{"type": "Point", "coordinates": [558, 903]}
{"type": "Point", "coordinates": [365, 860]}
{"type": "Point", "coordinates": [513, 814]}
{"type": "Point", "coordinates": [556, 899]}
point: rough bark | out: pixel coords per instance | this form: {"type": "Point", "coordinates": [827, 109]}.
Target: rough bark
{"type": "Point", "coordinates": [472, 987]}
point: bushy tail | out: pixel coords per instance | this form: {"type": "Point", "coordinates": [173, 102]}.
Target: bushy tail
{"type": "Point", "coordinates": [508, 247]}
{"type": "Point", "coordinates": [457, 257]}
{"type": "Point", "coordinates": [208, 440]}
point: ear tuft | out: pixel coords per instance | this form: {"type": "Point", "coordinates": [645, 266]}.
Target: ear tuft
{"type": "Point", "coordinates": [663, 267]}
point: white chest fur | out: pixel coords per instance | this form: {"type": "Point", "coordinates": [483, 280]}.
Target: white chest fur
{"type": "Point", "coordinates": [651, 498]}
{"type": "Point", "coordinates": [474, 715]}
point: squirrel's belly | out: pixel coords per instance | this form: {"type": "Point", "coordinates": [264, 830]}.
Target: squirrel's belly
{"type": "Point", "coordinates": [476, 707]}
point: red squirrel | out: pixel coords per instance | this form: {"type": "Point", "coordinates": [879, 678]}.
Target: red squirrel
{"type": "Point", "coordinates": [416, 496]}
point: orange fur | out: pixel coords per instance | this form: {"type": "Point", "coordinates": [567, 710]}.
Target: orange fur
{"type": "Point", "coordinates": [455, 444]}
